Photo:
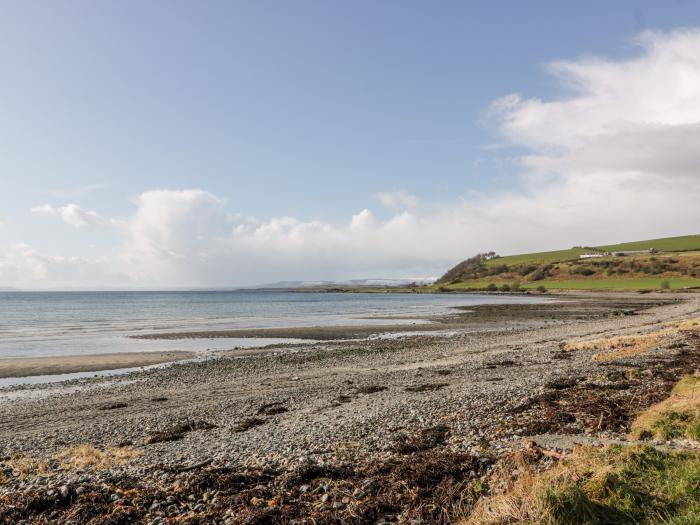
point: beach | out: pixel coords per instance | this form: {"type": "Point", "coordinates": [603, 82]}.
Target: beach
{"type": "Point", "coordinates": [53, 365]}
{"type": "Point", "coordinates": [364, 401]}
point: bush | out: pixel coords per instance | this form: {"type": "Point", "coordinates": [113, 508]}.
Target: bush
{"type": "Point", "coordinates": [665, 285]}
{"type": "Point", "coordinates": [524, 270]}
{"type": "Point", "coordinates": [491, 287]}
{"type": "Point", "coordinates": [541, 289]}
{"type": "Point", "coordinates": [515, 287]}
{"type": "Point", "coordinates": [505, 288]}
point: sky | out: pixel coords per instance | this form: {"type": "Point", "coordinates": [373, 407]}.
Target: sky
{"type": "Point", "coordinates": [188, 144]}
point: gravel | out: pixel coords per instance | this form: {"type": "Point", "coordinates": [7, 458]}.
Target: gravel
{"type": "Point", "coordinates": [324, 401]}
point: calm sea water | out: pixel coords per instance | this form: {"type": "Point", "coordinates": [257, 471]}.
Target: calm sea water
{"type": "Point", "coordinates": [70, 323]}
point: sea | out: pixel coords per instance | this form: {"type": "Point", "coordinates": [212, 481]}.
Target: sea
{"type": "Point", "coordinates": [36, 324]}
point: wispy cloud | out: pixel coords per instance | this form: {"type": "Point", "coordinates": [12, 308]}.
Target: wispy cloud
{"type": "Point", "coordinates": [75, 216]}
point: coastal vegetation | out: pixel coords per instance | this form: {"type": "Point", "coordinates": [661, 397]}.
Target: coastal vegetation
{"type": "Point", "coordinates": [670, 263]}
{"type": "Point", "coordinates": [637, 481]}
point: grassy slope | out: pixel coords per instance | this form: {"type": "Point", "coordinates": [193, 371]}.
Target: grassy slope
{"type": "Point", "coordinates": [668, 244]}
{"type": "Point", "coordinates": [564, 261]}
{"type": "Point", "coordinates": [538, 258]}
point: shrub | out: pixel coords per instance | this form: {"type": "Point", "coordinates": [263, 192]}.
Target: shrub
{"type": "Point", "coordinates": [524, 270]}
{"type": "Point", "coordinates": [541, 289]}
{"type": "Point", "coordinates": [491, 287]}
{"type": "Point", "coordinates": [505, 288]}
{"type": "Point", "coordinates": [665, 285]}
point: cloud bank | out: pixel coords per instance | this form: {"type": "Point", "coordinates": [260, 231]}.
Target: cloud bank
{"type": "Point", "coordinates": [614, 158]}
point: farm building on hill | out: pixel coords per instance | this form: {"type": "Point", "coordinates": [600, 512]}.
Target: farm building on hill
{"type": "Point", "coordinates": [594, 255]}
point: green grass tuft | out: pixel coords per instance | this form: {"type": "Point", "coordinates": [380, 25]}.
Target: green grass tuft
{"type": "Point", "coordinates": [644, 486]}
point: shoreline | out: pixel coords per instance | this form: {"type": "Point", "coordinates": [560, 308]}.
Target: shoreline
{"type": "Point", "coordinates": [321, 419]}
{"type": "Point", "coordinates": [20, 367]}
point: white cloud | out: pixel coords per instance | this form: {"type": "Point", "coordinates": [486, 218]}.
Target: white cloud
{"type": "Point", "coordinates": [658, 88]}
{"type": "Point", "coordinates": [24, 267]}
{"type": "Point", "coordinates": [397, 200]}
{"type": "Point", "coordinates": [74, 215]}
{"type": "Point", "coordinates": [615, 159]}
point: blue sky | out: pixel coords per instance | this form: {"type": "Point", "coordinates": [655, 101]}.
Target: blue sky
{"type": "Point", "coordinates": [304, 110]}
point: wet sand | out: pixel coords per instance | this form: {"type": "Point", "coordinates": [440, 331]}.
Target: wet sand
{"type": "Point", "coordinates": [38, 366]}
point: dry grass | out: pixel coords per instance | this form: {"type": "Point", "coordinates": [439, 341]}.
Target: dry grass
{"type": "Point", "coordinates": [622, 485]}
{"type": "Point", "coordinates": [81, 457]}
{"type": "Point", "coordinates": [689, 325]}
{"type": "Point", "coordinates": [88, 457]}
{"type": "Point", "coordinates": [617, 347]}
{"type": "Point", "coordinates": [613, 348]}
{"type": "Point", "coordinates": [23, 466]}
{"type": "Point", "coordinates": [519, 486]}
{"type": "Point", "coordinates": [677, 416]}
{"type": "Point", "coordinates": [615, 484]}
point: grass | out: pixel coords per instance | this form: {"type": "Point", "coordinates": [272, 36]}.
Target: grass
{"type": "Point", "coordinates": [618, 347]}
{"type": "Point", "coordinates": [614, 284]}
{"type": "Point", "coordinates": [612, 348]}
{"type": "Point", "coordinates": [81, 458]}
{"type": "Point", "coordinates": [538, 258]}
{"type": "Point", "coordinates": [667, 244]}
{"type": "Point", "coordinates": [618, 484]}
{"type": "Point", "coordinates": [88, 457]}
{"type": "Point", "coordinates": [676, 417]}
{"type": "Point", "coordinates": [595, 486]}
{"type": "Point", "coordinates": [582, 284]}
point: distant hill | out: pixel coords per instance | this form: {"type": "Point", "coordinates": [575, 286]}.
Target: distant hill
{"type": "Point", "coordinates": [9, 289]}
{"type": "Point", "coordinates": [671, 262]}
{"type": "Point", "coordinates": [351, 282]}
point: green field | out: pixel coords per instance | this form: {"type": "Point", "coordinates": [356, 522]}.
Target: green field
{"type": "Point", "coordinates": [538, 258]}
{"type": "Point", "coordinates": [585, 284]}
{"type": "Point", "coordinates": [667, 244]}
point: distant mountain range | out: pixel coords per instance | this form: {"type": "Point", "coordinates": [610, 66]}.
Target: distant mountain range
{"type": "Point", "coordinates": [8, 289]}
{"type": "Point", "coordinates": [351, 282]}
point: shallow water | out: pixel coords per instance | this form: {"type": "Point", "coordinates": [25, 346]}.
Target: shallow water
{"type": "Point", "coordinates": [72, 323]}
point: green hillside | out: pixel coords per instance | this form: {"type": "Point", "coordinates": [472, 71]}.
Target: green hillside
{"type": "Point", "coordinates": [538, 257]}
{"type": "Point", "coordinates": [674, 264]}
{"type": "Point", "coordinates": [667, 244]}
